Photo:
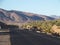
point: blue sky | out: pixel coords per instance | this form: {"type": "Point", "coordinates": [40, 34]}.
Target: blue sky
{"type": "Point", "coordinates": [45, 7]}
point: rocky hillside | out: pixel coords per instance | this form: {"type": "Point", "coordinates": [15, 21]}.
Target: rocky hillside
{"type": "Point", "coordinates": [55, 16]}
{"type": "Point", "coordinates": [21, 17]}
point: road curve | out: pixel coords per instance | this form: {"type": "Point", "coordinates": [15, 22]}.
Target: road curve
{"type": "Point", "coordinates": [28, 38]}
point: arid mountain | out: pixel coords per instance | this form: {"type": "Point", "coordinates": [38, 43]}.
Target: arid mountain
{"type": "Point", "coordinates": [19, 16]}
{"type": "Point", "coordinates": [55, 16]}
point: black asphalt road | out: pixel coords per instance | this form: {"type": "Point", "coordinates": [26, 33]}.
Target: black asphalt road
{"type": "Point", "coordinates": [29, 38]}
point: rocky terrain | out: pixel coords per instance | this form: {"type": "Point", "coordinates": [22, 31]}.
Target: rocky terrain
{"type": "Point", "coordinates": [21, 17]}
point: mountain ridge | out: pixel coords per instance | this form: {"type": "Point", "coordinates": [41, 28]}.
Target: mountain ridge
{"type": "Point", "coordinates": [21, 17]}
{"type": "Point", "coordinates": [55, 16]}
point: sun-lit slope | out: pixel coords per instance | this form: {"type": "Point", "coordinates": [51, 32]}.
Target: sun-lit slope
{"type": "Point", "coordinates": [19, 16]}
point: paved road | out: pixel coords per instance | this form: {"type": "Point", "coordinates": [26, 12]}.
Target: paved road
{"type": "Point", "coordinates": [29, 38]}
{"type": "Point", "coordinates": [24, 38]}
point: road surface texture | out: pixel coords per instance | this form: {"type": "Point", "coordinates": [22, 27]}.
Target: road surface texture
{"type": "Point", "coordinates": [24, 38]}
{"type": "Point", "coordinates": [29, 38]}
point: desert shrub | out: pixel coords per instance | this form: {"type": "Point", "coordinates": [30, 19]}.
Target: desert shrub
{"type": "Point", "coordinates": [55, 34]}
{"type": "Point", "coordinates": [58, 23]}
{"type": "Point", "coordinates": [44, 25]}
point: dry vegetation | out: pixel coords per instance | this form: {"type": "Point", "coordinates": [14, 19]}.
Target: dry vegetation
{"type": "Point", "coordinates": [44, 26]}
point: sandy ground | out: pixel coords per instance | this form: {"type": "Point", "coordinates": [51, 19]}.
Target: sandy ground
{"type": "Point", "coordinates": [4, 39]}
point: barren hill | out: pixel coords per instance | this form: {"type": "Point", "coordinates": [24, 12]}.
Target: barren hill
{"type": "Point", "coordinates": [21, 17]}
